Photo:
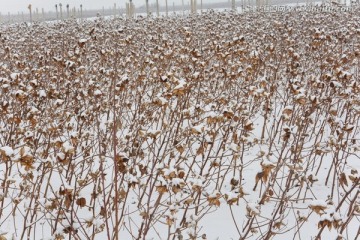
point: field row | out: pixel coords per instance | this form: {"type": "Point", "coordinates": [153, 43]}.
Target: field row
{"type": "Point", "coordinates": [225, 125]}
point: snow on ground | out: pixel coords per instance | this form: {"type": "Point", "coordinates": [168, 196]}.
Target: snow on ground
{"type": "Point", "coordinates": [213, 126]}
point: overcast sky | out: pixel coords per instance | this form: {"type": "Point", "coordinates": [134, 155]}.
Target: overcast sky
{"type": "Point", "coordinates": [14, 6]}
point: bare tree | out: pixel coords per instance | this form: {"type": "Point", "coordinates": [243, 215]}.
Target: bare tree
{"type": "Point", "coordinates": [57, 12]}
{"type": "Point", "coordinates": [30, 12]}
{"type": "Point", "coordinates": [68, 11]}
{"type": "Point", "coordinates": [61, 13]}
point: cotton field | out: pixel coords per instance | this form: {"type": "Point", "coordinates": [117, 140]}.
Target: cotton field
{"type": "Point", "coordinates": [212, 126]}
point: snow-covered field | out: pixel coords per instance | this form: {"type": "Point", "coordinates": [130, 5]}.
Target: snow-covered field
{"type": "Point", "coordinates": [214, 126]}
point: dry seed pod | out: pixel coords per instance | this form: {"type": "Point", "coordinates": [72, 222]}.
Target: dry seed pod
{"type": "Point", "coordinates": [318, 206]}
{"type": "Point", "coordinates": [343, 180]}
{"type": "Point", "coordinates": [234, 182]}
{"type": "Point", "coordinates": [161, 189]}
{"type": "Point", "coordinates": [81, 202]}
{"type": "Point", "coordinates": [252, 210]}
{"type": "Point", "coordinates": [325, 223]}
{"type": "Point", "coordinates": [249, 126]}
{"type": "Point", "coordinates": [214, 199]}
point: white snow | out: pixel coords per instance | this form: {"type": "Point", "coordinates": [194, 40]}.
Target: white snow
{"type": "Point", "coordinates": [8, 151]}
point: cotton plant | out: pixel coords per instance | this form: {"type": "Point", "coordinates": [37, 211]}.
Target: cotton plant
{"type": "Point", "coordinates": [158, 128]}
